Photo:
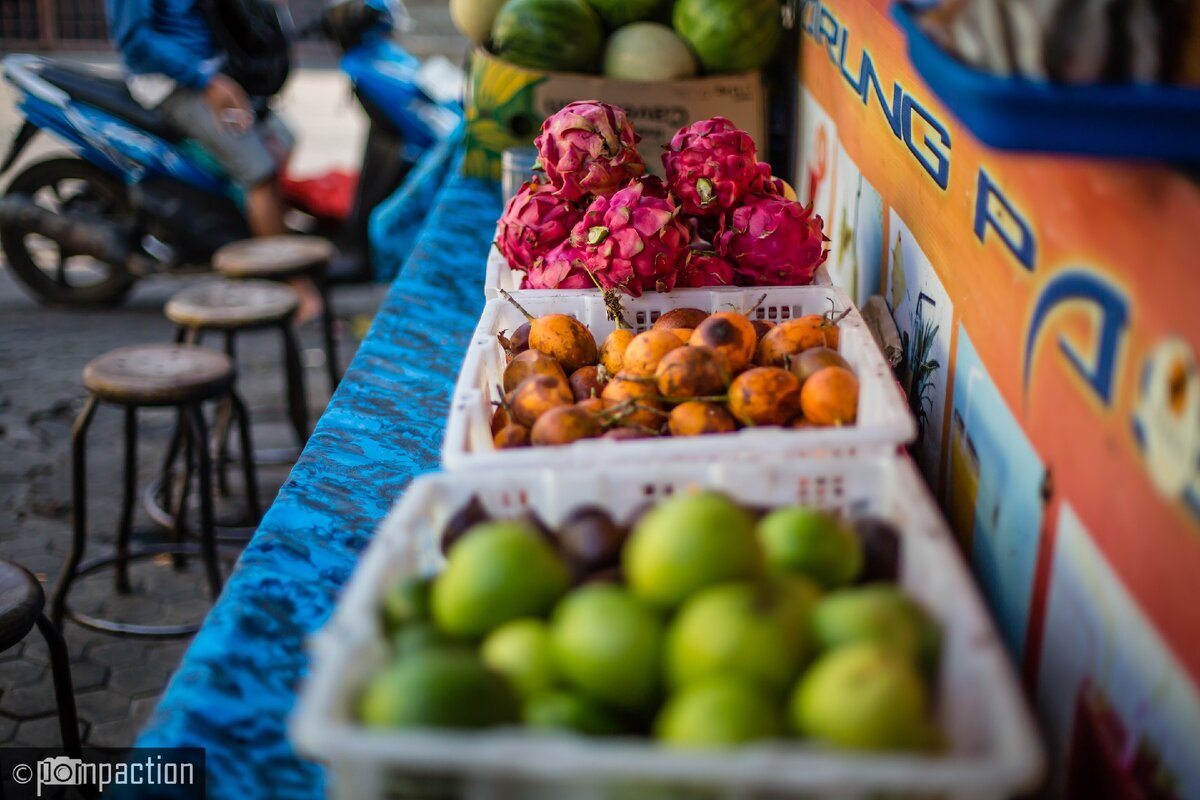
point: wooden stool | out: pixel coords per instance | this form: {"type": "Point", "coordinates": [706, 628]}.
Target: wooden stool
{"type": "Point", "coordinates": [278, 258]}
{"type": "Point", "coordinates": [21, 603]}
{"type": "Point", "coordinates": [230, 306]}
{"type": "Point", "coordinates": [153, 375]}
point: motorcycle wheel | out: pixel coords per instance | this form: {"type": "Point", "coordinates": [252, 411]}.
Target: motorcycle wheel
{"type": "Point", "coordinates": [51, 274]}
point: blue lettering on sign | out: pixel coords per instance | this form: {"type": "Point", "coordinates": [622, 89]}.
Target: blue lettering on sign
{"type": "Point", "coordinates": [867, 80]}
{"type": "Point", "coordinates": [941, 170]}
{"type": "Point", "coordinates": [830, 33]}
{"type": "Point", "coordinates": [1078, 285]}
{"type": "Point", "coordinates": [933, 156]}
{"type": "Point", "coordinates": [1025, 249]}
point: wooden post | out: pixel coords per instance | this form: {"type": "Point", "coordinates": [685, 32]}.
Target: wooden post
{"type": "Point", "coordinates": [47, 23]}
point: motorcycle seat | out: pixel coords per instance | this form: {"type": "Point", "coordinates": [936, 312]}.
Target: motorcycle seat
{"type": "Point", "coordinates": [108, 94]}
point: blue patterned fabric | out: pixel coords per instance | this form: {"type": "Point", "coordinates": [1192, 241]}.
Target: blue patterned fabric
{"type": "Point", "coordinates": [397, 222]}
{"type": "Point", "coordinates": [237, 684]}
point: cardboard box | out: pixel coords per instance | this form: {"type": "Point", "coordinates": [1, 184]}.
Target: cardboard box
{"type": "Point", "coordinates": [506, 105]}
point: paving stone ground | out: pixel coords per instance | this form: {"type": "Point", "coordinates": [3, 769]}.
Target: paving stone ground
{"type": "Point", "coordinates": [42, 351]}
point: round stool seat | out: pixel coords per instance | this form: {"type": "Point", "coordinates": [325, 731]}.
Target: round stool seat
{"type": "Point", "coordinates": [21, 601]}
{"type": "Point", "coordinates": [228, 304]}
{"type": "Point", "coordinates": [159, 375]}
{"type": "Point", "coordinates": [273, 257]}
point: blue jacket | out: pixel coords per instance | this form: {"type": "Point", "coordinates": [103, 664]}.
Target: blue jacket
{"type": "Point", "coordinates": [170, 37]}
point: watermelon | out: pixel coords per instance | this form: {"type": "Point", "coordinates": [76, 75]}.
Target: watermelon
{"type": "Point", "coordinates": [552, 35]}
{"type": "Point", "coordinates": [730, 35]}
{"type": "Point", "coordinates": [616, 13]}
{"type": "Point", "coordinates": [647, 51]}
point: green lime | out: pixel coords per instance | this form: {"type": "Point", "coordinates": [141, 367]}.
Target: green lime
{"type": "Point", "coordinates": [880, 614]}
{"type": "Point", "coordinates": [406, 602]}
{"type": "Point", "coordinates": [522, 651]}
{"type": "Point", "coordinates": [419, 636]}
{"type": "Point", "coordinates": [864, 697]}
{"type": "Point", "coordinates": [719, 711]}
{"type": "Point", "coordinates": [438, 688]}
{"type": "Point", "coordinates": [810, 542]}
{"type": "Point", "coordinates": [756, 631]}
{"type": "Point", "coordinates": [571, 711]}
{"type": "Point", "coordinates": [499, 571]}
{"type": "Point", "coordinates": [688, 543]}
{"type": "Point", "coordinates": [608, 645]}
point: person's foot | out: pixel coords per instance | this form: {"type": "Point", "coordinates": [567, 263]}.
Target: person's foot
{"type": "Point", "coordinates": [311, 305]}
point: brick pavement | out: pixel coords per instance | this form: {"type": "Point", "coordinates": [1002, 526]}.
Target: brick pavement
{"type": "Point", "coordinates": [42, 351]}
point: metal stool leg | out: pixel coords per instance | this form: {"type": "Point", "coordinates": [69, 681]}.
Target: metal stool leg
{"type": "Point", "coordinates": [168, 467]}
{"type": "Point", "coordinates": [249, 476]}
{"type": "Point", "coordinates": [181, 333]}
{"type": "Point", "coordinates": [208, 534]}
{"type": "Point", "coordinates": [179, 513]}
{"type": "Point", "coordinates": [128, 498]}
{"type": "Point", "coordinates": [331, 359]}
{"type": "Point", "coordinates": [222, 424]}
{"type": "Point", "coordinates": [297, 399]}
{"type": "Point", "coordinates": [79, 508]}
{"type": "Point", "coordinates": [64, 690]}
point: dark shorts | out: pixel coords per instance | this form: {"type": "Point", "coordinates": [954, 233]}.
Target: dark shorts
{"type": "Point", "coordinates": [251, 157]}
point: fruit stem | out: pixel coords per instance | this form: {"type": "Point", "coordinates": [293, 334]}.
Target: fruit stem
{"type": "Point", "coordinates": [754, 307]}
{"type": "Point", "coordinates": [832, 320]}
{"type": "Point", "coordinates": [503, 401]}
{"type": "Point", "coordinates": [517, 306]}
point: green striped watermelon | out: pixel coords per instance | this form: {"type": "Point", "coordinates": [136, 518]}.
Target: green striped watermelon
{"type": "Point", "coordinates": [730, 35]}
{"type": "Point", "coordinates": [552, 35]}
{"type": "Point", "coordinates": [616, 13]}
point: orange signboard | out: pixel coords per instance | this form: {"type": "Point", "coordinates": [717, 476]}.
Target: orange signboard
{"type": "Point", "coordinates": [1048, 307]}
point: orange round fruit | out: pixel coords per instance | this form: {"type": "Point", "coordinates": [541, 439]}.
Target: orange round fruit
{"type": "Point", "coordinates": [680, 318]}
{"type": "Point", "coordinates": [764, 396]}
{"type": "Point", "coordinates": [830, 397]}
{"type": "Point", "coordinates": [730, 334]}
{"type": "Point", "coordinates": [695, 418]}
{"type": "Point", "coordinates": [795, 336]}
{"type": "Point", "coordinates": [612, 352]}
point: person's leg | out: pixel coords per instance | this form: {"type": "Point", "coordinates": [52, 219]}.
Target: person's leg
{"type": "Point", "coordinates": [250, 163]}
{"type": "Point", "coordinates": [264, 209]}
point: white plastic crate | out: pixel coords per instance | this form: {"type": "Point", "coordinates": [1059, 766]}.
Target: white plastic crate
{"type": "Point", "coordinates": [993, 747]}
{"type": "Point", "coordinates": [883, 422]}
{"type": "Point", "coordinates": [501, 276]}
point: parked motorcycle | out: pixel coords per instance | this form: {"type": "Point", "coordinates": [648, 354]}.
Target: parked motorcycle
{"type": "Point", "coordinates": [138, 199]}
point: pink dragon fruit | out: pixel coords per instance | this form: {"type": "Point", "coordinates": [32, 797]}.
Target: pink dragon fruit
{"type": "Point", "coordinates": [711, 166]}
{"type": "Point", "coordinates": [773, 242]}
{"type": "Point", "coordinates": [562, 268]}
{"type": "Point", "coordinates": [771, 186]}
{"type": "Point", "coordinates": [535, 222]}
{"type": "Point", "coordinates": [589, 148]}
{"type": "Point", "coordinates": [704, 268]}
{"type": "Point", "coordinates": [635, 239]}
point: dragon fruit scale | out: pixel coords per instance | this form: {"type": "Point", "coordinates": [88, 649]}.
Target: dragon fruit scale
{"type": "Point", "coordinates": [773, 242]}
{"type": "Point", "coordinates": [589, 148]}
{"type": "Point", "coordinates": [634, 240]}
{"type": "Point", "coordinates": [562, 268]}
{"type": "Point", "coordinates": [710, 166]}
{"type": "Point", "coordinates": [535, 222]}
{"type": "Point", "coordinates": [768, 184]}
{"type": "Point", "coordinates": [704, 269]}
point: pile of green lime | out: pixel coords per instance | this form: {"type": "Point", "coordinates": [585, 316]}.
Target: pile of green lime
{"type": "Point", "coordinates": [726, 627]}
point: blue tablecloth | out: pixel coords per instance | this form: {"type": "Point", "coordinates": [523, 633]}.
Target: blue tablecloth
{"type": "Point", "coordinates": [237, 684]}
